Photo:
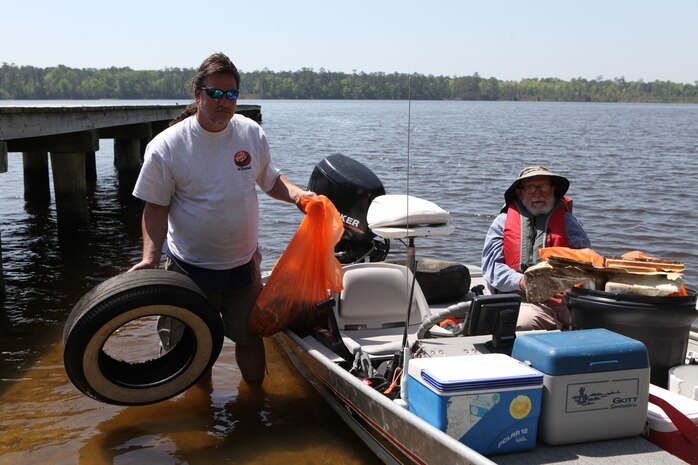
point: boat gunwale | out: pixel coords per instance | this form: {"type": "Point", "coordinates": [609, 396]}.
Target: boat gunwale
{"type": "Point", "coordinates": [434, 450]}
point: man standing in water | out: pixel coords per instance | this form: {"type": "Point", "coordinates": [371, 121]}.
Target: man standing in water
{"type": "Point", "coordinates": [536, 214]}
{"type": "Point", "coordinates": [198, 181]}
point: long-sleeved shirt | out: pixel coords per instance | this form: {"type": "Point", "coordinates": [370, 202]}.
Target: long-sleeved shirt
{"type": "Point", "coordinates": [497, 273]}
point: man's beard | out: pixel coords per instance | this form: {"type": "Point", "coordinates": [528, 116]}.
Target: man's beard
{"type": "Point", "coordinates": [540, 210]}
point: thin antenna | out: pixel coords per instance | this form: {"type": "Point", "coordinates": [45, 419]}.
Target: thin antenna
{"type": "Point", "coordinates": [411, 264]}
{"type": "Point", "coordinates": [404, 357]}
{"type": "Point", "coordinates": [409, 117]}
{"type": "Point", "coordinates": [410, 247]}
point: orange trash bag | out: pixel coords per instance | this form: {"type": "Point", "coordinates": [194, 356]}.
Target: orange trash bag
{"type": "Point", "coordinates": [578, 255]}
{"type": "Point", "coordinates": [305, 274]}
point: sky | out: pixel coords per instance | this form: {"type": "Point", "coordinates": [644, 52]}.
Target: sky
{"type": "Point", "coordinates": [505, 39]}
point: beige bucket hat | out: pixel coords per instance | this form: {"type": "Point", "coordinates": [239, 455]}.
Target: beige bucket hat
{"type": "Point", "coordinates": [561, 183]}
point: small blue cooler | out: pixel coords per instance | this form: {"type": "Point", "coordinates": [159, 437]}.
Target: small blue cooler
{"type": "Point", "coordinates": [489, 402]}
{"type": "Point", "coordinates": [596, 383]}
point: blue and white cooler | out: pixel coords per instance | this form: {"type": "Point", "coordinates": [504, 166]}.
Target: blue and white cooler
{"type": "Point", "coordinates": [596, 383]}
{"type": "Point", "coordinates": [489, 402]}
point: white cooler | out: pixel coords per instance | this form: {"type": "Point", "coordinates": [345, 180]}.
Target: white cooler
{"type": "Point", "coordinates": [596, 384]}
{"type": "Point", "coordinates": [672, 423]}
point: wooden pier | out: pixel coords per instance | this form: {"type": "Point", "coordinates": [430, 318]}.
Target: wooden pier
{"type": "Point", "coordinates": [70, 135]}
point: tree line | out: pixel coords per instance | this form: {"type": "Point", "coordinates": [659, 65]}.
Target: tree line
{"type": "Point", "coordinates": [65, 83]}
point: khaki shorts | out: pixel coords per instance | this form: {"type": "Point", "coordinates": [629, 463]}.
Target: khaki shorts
{"type": "Point", "coordinates": [234, 305]}
{"type": "Point", "coordinates": [546, 315]}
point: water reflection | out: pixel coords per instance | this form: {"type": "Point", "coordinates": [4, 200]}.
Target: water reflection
{"type": "Point", "coordinates": [222, 421]}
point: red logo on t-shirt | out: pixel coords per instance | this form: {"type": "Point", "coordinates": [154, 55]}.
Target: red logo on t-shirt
{"type": "Point", "coordinates": [242, 158]}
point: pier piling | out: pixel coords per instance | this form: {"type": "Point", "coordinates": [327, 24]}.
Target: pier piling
{"type": "Point", "coordinates": [127, 144]}
{"type": "Point", "coordinates": [36, 181]}
{"type": "Point", "coordinates": [3, 157]}
{"type": "Point", "coordinates": [70, 187]}
{"type": "Point", "coordinates": [3, 169]}
{"type": "Point", "coordinates": [91, 168]}
{"type": "Point", "coordinates": [2, 276]}
{"type": "Point", "coordinates": [68, 168]}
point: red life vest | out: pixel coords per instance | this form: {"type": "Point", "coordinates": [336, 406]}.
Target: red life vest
{"type": "Point", "coordinates": [555, 236]}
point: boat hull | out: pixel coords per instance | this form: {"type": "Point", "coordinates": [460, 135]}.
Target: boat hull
{"type": "Point", "coordinates": [395, 435]}
{"type": "Point", "coordinates": [398, 437]}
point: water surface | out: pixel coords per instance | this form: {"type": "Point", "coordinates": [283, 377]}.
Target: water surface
{"type": "Point", "coordinates": [633, 172]}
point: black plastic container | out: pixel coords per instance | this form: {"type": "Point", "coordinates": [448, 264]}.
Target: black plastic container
{"type": "Point", "coordinates": [661, 323]}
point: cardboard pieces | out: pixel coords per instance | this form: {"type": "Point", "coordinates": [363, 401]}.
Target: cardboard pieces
{"type": "Point", "coordinates": [633, 273]}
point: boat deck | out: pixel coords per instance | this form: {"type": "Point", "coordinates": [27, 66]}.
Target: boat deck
{"type": "Point", "coordinates": [635, 450]}
{"type": "Point", "coordinates": [630, 451]}
{"type": "Point", "coordinates": [626, 451]}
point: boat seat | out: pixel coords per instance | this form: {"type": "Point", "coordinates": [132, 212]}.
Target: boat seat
{"type": "Point", "coordinates": [376, 295]}
{"type": "Point", "coordinates": [378, 343]}
{"type": "Point", "coordinates": [371, 309]}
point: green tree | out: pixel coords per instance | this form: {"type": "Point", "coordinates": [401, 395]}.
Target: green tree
{"type": "Point", "coordinates": [61, 82]}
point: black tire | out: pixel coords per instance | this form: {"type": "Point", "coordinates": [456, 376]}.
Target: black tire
{"type": "Point", "coordinates": [441, 280]}
{"type": "Point", "coordinates": [127, 297]}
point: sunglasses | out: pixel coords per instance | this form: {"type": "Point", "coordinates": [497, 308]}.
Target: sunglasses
{"type": "Point", "coordinates": [218, 93]}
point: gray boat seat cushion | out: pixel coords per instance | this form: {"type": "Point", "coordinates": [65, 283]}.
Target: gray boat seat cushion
{"type": "Point", "coordinates": [376, 295]}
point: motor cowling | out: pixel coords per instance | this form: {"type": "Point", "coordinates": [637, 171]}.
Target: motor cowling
{"type": "Point", "coordinates": [351, 187]}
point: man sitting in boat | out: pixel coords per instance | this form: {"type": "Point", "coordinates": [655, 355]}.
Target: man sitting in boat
{"type": "Point", "coordinates": [536, 214]}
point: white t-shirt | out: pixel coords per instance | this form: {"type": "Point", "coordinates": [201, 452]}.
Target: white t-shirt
{"type": "Point", "coordinates": [208, 180]}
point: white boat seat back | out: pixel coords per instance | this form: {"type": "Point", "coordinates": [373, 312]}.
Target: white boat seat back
{"type": "Point", "coordinates": [402, 216]}
{"type": "Point", "coordinates": [376, 295]}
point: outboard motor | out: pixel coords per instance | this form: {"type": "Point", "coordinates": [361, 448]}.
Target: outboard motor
{"type": "Point", "coordinates": [351, 187]}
